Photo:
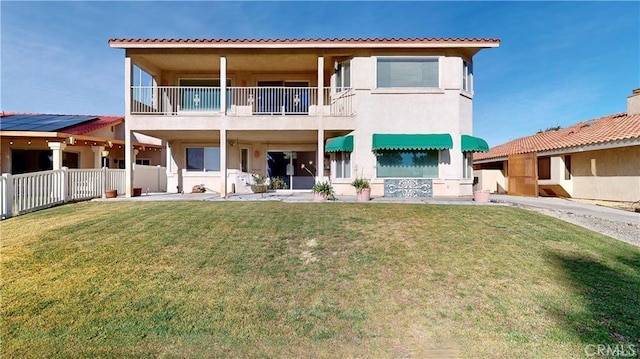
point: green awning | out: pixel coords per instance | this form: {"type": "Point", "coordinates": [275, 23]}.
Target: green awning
{"type": "Point", "coordinates": [431, 141]}
{"type": "Point", "coordinates": [339, 144]}
{"type": "Point", "coordinates": [474, 144]}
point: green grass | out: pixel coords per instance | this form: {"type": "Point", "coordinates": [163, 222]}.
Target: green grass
{"type": "Point", "coordinates": [260, 280]}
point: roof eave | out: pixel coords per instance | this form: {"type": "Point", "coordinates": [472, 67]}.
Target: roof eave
{"type": "Point", "coordinates": [303, 45]}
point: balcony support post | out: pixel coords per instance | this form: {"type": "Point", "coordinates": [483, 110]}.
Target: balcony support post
{"type": "Point", "coordinates": [128, 81]}
{"type": "Point", "coordinates": [223, 162]}
{"type": "Point", "coordinates": [320, 85]}
{"type": "Point", "coordinates": [223, 84]}
{"type": "Point", "coordinates": [129, 159]}
{"type": "Point", "coordinates": [320, 158]}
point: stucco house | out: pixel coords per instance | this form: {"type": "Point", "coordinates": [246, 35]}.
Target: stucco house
{"type": "Point", "coordinates": [593, 159]}
{"type": "Point", "coordinates": [395, 111]}
{"type": "Point", "coordinates": [39, 142]}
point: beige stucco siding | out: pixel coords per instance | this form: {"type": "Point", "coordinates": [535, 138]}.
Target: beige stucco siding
{"type": "Point", "coordinates": [612, 174]}
{"type": "Point", "coordinates": [443, 109]}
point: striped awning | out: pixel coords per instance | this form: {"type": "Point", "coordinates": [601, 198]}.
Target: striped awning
{"type": "Point", "coordinates": [474, 144]}
{"type": "Point", "coordinates": [431, 141]}
{"type": "Point", "coordinates": [339, 144]}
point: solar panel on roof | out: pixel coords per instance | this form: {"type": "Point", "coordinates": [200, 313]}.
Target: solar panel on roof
{"type": "Point", "coordinates": [41, 123]}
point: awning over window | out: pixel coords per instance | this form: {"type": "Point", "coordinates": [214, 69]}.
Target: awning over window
{"type": "Point", "coordinates": [432, 141]}
{"type": "Point", "coordinates": [339, 144]}
{"type": "Point", "coordinates": [474, 144]}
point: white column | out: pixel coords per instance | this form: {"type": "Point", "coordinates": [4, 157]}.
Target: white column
{"type": "Point", "coordinates": [128, 81]}
{"type": "Point", "coordinates": [223, 84]}
{"type": "Point", "coordinates": [320, 85]}
{"type": "Point", "coordinates": [223, 162]}
{"type": "Point", "coordinates": [320, 159]}
{"type": "Point", "coordinates": [97, 156]}
{"type": "Point", "coordinates": [128, 140]}
{"type": "Point", "coordinates": [129, 158]}
{"type": "Point", "coordinates": [57, 148]}
{"type": "Point", "coordinates": [320, 156]}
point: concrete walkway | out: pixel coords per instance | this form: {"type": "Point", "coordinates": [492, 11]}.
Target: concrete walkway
{"type": "Point", "coordinates": [559, 204]}
{"type": "Point", "coordinates": [555, 204]}
{"type": "Point", "coordinates": [290, 197]}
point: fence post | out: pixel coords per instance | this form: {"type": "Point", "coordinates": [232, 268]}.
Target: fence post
{"type": "Point", "coordinates": [104, 182]}
{"type": "Point", "coordinates": [65, 184]}
{"type": "Point", "coordinates": [8, 195]}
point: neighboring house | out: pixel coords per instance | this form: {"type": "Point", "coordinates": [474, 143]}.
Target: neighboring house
{"type": "Point", "coordinates": [395, 111]}
{"type": "Point", "coordinates": [39, 142]}
{"type": "Point", "coordinates": [594, 159]}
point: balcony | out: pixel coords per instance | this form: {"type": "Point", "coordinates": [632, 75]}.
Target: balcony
{"type": "Point", "coordinates": [240, 101]}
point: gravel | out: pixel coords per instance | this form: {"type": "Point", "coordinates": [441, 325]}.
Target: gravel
{"type": "Point", "coordinates": [623, 231]}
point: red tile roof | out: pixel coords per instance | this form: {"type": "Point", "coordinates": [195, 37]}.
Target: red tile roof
{"type": "Point", "coordinates": [98, 123]}
{"type": "Point", "coordinates": [316, 41]}
{"type": "Point", "coordinates": [600, 130]}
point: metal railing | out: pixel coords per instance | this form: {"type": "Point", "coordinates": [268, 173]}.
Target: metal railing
{"type": "Point", "coordinates": [240, 101]}
{"type": "Point", "coordinates": [272, 100]}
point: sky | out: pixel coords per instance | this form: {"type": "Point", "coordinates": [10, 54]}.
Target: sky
{"type": "Point", "coordinates": [558, 63]}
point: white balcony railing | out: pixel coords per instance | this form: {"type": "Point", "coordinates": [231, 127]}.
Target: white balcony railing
{"type": "Point", "coordinates": [240, 101]}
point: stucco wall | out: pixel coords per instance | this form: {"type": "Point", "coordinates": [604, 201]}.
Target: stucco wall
{"type": "Point", "coordinates": [612, 174]}
{"type": "Point", "coordinates": [446, 109]}
{"type": "Point", "coordinates": [491, 179]}
{"type": "Point", "coordinates": [412, 110]}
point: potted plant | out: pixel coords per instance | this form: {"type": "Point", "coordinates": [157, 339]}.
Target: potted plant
{"type": "Point", "coordinates": [259, 183]}
{"type": "Point", "coordinates": [322, 191]}
{"type": "Point", "coordinates": [363, 189]}
{"type": "Point", "coordinates": [277, 183]}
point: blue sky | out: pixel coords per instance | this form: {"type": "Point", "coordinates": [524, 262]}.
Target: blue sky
{"type": "Point", "coordinates": [559, 62]}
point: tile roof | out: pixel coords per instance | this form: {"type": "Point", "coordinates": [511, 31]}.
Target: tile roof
{"type": "Point", "coordinates": [98, 123]}
{"type": "Point", "coordinates": [311, 41]}
{"type": "Point", "coordinates": [72, 124]}
{"type": "Point", "coordinates": [605, 129]}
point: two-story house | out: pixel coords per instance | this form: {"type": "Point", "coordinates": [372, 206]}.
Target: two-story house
{"type": "Point", "coordinates": [395, 111]}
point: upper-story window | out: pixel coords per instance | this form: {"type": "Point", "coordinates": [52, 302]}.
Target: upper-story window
{"type": "Point", "coordinates": [408, 72]}
{"type": "Point", "coordinates": [343, 76]}
{"type": "Point", "coordinates": [467, 76]}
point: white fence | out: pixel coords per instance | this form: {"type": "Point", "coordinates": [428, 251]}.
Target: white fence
{"type": "Point", "coordinates": [33, 191]}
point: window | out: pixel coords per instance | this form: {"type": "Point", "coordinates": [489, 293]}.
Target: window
{"type": "Point", "coordinates": [343, 76]}
{"type": "Point", "coordinates": [467, 76]}
{"type": "Point", "coordinates": [143, 161]}
{"type": "Point", "coordinates": [544, 168]}
{"type": "Point", "coordinates": [567, 167]}
{"type": "Point", "coordinates": [204, 159]}
{"type": "Point", "coordinates": [343, 164]}
{"type": "Point", "coordinates": [467, 164]}
{"type": "Point", "coordinates": [71, 159]}
{"type": "Point", "coordinates": [408, 72]}
{"type": "Point", "coordinates": [417, 164]}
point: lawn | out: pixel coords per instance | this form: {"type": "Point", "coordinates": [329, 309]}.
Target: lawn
{"type": "Point", "coordinates": [212, 279]}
